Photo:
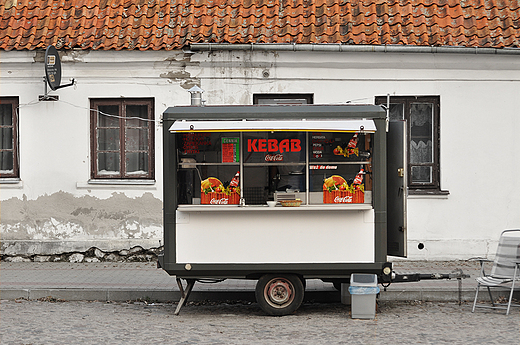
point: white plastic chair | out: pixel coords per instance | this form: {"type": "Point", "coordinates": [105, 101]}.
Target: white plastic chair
{"type": "Point", "coordinates": [505, 270]}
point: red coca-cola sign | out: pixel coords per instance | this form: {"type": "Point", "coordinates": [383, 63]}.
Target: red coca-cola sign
{"type": "Point", "coordinates": [274, 158]}
{"type": "Point", "coordinates": [222, 201]}
{"type": "Point", "coordinates": [274, 145]}
{"type": "Point", "coordinates": [343, 200]}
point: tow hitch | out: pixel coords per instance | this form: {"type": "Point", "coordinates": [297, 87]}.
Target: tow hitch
{"type": "Point", "coordinates": [415, 277]}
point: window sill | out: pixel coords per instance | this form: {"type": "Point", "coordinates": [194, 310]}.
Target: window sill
{"type": "Point", "coordinates": [11, 183]}
{"type": "Point", "coordinates": [427, 194]}
{"type": "Point", "coordinates": [117, 184]}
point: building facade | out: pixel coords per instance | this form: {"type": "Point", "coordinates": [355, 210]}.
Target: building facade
{"type": "Point", "coordinates": [82, 165]}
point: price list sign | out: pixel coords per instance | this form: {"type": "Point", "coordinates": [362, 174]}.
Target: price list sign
{"type": "Point", "coordinates": [230, 150]}
{"type": "Point", "coordinates": [193, 142]}
{"type": "Point", "coordinates": [317, 140]}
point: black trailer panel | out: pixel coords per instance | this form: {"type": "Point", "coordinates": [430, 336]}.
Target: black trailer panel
{"type": "Point", "coordinates": [309, 112]}
{"type": "Point", "coordinates": [328, 241]}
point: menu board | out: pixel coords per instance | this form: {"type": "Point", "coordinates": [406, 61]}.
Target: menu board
{"type": "Point", "coordinates": [230, 150]}
{"type": "Point", "coordinates": [338, 147]}
{"type": "Point", "coordinates": [317, 140]}
{"type": "Point", "coordinates": [193, 142]}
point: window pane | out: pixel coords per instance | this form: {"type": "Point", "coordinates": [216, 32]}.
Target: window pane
{"type": "Point", "coordinates": [108, 163]}
{"type": "Point", "coordinates": [137, 163]}
{"type": "Point", "coordinates": [108, 139]}
{"type": "Point", "coordinates": [338, 147]}
{"type": "Point", "coordinates": [396, 112]}
{"type": "Point", "coordinates": [6, 138]}
{"type": "Point", "coordinates": [134, 113]}
{"type": "Point", "coordinates": [6, 117]}
{"type": "Point", "coordinates": [421, 174]}
{"type": "Point", "coordinates": [283, 101]}
{"type": "Point", "coordinates": [421, 152]}
{"type": "Point", "coordinates": [136, 139]}
{"type": "Point", "coordinates": [203, 147]}
{"type": "Point", "coordinates": [421, 132]}
{"type": "Point", "coordinates": [256, 184]}
{"type": "Point", "coordinates": [6, 161]}
{"type": "Point", "coordinates": [194, 176]}
{"type": "Point", "coordinates": [108, 121]}
{"type": "Point", "coordinates": [347, 172]}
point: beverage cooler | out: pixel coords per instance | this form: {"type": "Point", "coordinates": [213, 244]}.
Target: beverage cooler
{"type": "Point", "coordinates": [281, 194]}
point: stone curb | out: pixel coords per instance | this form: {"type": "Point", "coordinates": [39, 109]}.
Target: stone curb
{"type": "Point", "coordinates": [121, 295]}
{"type": "Point", "coordinates": [148, 295]}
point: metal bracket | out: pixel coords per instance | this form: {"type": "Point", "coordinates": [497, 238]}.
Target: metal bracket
{"type": "Point", "coordinates": [46, 96]}
{"type": "Point", "coordinates": [184, 293]}
{"type": "Point", "coordinates": [65, 85]}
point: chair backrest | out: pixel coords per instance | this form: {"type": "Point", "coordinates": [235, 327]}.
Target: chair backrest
{"type": "Point", "coordinates": [508, 253]}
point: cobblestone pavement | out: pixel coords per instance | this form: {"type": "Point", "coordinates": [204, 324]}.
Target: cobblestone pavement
{"type": "Point", "coordinates": [50, 322]}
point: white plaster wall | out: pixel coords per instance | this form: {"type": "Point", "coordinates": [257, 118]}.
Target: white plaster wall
{"type": "Point", "coordinates": [479, 125]}
{"type": "Point", "coordinates": [54, 208]}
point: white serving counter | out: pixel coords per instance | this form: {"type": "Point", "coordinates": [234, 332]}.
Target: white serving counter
{"type": "Point", "coordinates": [278, 208]}
{"type": "Point", "coordinates": [262, 234]}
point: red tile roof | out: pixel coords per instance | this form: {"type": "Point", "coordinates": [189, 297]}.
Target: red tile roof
{"type": "Point", "coordinates": [158, 24]}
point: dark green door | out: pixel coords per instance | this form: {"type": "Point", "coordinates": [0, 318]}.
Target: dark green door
{"type": "Point", "coordinates": [397, 188]}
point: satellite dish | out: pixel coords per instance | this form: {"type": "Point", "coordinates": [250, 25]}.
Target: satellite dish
{"type": "Point", "coordinates": [53, 69]}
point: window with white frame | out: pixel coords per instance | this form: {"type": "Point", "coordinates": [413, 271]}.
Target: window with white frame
{"type": "Point", "coordinates": [9, 137]}
{"type": "Point", "coordinates": [122, 138]}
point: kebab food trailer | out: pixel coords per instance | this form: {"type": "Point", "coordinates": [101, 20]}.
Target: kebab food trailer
{"type": "Point", "coordinates": [281, 194]}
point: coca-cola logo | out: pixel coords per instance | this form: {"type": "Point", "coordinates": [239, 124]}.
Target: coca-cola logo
{"type": "Point", "coordinates": [222, 201]}
{"type": "Point", "coordinates": [274, 158]}
{"type": "Point", "coordinates": [343, 200]}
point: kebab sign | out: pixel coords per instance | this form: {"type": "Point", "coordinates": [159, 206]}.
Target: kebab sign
{"type": "Point", "coordinates": [274, 147]}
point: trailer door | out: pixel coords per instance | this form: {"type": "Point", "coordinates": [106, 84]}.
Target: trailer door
{"type": "Point", "coordinates": [397, 189]}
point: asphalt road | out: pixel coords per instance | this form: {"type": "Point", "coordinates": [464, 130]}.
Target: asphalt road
{"type": "Point", "coordinates": [75, 322]}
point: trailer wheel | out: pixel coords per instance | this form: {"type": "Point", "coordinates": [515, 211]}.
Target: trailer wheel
{"type": "Point", "coordinates": [279, 294]}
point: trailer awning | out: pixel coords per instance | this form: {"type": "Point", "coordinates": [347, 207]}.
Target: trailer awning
{"type": "Point", "coordinates": [184, 126]}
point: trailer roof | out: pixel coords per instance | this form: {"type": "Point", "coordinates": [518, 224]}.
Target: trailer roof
{"type": "Point", "coordinates": [258, 112]}
{"type": "Point", "coordinates": [337, 125]}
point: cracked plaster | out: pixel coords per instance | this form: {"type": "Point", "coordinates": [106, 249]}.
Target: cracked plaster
{"type": "Point", "coordinates": [60, 219]}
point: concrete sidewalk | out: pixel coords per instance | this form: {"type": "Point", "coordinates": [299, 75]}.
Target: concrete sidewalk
{"type": "Point", "coordinates": [144, 281]}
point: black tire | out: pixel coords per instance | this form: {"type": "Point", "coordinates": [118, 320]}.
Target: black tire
{"type": "Point", "coordinates": [279, 294]}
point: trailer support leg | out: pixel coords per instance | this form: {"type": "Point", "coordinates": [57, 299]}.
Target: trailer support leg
{"type": "Point", "coordinates": [184, 293]}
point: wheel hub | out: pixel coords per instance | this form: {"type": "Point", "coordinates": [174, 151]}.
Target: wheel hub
{"type": "Point", "coordinates": [279, 292]}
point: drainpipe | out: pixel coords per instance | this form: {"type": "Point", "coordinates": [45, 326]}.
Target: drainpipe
{"type": "Point", "coordinates": [387, 111]}
{"type": "Point", "coordinates": [348, 48]}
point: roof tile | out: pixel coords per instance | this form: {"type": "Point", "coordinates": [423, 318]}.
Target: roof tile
{"type": "Point", "coordinates": [172, 24]}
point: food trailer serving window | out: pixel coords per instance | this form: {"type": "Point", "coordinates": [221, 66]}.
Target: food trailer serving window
{"type": "Point", "coordinates": [252, 161]}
